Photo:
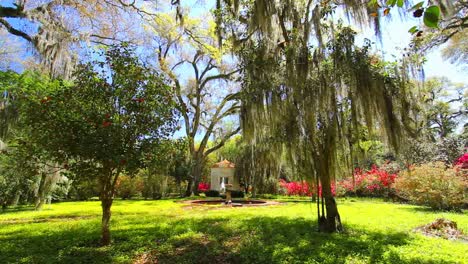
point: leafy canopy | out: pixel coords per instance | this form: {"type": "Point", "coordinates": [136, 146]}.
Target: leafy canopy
{"type": "Point", "coordinates": [116, 111]}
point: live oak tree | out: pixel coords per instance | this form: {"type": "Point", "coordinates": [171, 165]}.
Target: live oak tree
{"type": "Point", "coordinates": [205, 90]}
{"type": "Point", "coordinates": [306, 85]}
{"type": "Point", "coordinates": [108, 122]}
{"type": "Point", "coordinates": [444, 105]}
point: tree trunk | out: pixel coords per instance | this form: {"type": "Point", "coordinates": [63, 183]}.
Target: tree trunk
{"type": "Point", "coordinates": [107, 183]}
{"type": "Point", "coordinates": [331, 222]}
{"type": "Point", "coordinates": [15, 200]}
{"type": "Point", "coordinates": [188, 191]}
{"type": "Point", "coordinates": [40, 199]}
{"type": "Point", "coordinates": [106, 203]}
{"type": "Point", "coordinates": [197, 170]}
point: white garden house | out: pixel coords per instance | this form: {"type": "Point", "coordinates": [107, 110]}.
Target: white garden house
{"type": "Point", "coordinates": [223, 177]}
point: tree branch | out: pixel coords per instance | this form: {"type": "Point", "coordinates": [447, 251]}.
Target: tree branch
{"type": "Point", "coordinates": [11, 12]}
{"type": "Point", "coordinates": [218, 76]}
{"type": "Point", "coordinates": [223, 141]}
{"type": "Point", "coordinates": [15, 31]}
{"type": "Point", "coordinates": [217, 117]}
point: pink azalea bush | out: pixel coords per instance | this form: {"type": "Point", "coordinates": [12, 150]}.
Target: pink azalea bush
{"type": "Point", "coordinates": [203, 186]}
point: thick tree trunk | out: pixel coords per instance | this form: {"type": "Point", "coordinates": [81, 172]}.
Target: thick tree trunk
{"type": "Point", "coordinates": [106, 204]}
{"type": "Point", "coordinates": [330, 221]}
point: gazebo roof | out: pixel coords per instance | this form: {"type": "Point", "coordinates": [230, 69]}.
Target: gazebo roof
{"type": "Point", "coordinates": [224, 164]}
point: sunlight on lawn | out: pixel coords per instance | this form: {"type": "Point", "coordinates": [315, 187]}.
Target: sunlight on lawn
{"type": "Point", "coordinates": [172, 233]}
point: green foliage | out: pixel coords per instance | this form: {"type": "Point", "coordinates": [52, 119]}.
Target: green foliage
{"type": "Point", "coordinates": [128, 187]}
{"type": "Point", "coordinates": [8, 109]}
{"type": "Point", "coordinates": [231, 150]}
{"type": "Point", "coordinates": [423, 151]}
{"type": "Point", "coordinates": [212, 193]}
{"type": "Point", "coordinates": [172, 233]}
{"type": "Point", "coordinates": [434, 185]}
{"type": "Point", "coordinates": [115, 112]}
{"type": "Point", "coordinates": [432, 16]}
{"type": "Point", "coordinates": [179, 163]}
{"type": "Point", "coordinates": [108, 121]}
{"type": "Point", "coordinates": [83, 189]}
{"type": "Point", "coordinates": [234, 194]}
{"type": "Point", "coordinates": [17, 172]}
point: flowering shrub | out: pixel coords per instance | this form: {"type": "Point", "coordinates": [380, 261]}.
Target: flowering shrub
{"type": "Point", "coordinates": [434, 185]}
{"type": "Point", "coordinates": [462, 161]}
{"type": "Point", "coordinates": [374, 182]}
{"type": "Point", "coordinates": [203, 186]}
{"type": "Point", "coordinates": [302, 188]}
{"type": "Point", "coordinates": [128, 187]}
{"type": "Point", "coordinates": [296, 188]}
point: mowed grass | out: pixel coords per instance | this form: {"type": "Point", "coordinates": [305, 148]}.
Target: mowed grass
{"type": "Point", "coordinates": [170, 232]}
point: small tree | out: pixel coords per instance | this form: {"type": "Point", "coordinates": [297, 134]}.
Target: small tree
{"type": "Point", "coordinates": [108, 122]}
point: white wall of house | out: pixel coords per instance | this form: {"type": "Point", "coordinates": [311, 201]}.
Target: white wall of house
{"type": "Point", "coordinates": [217, 174]}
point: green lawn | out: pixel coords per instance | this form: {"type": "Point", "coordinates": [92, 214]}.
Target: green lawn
{"type": "Point", "coordinates": [168, 232]}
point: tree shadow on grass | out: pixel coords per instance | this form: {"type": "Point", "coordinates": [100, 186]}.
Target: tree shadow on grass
{"type": "Point", "coordinates": [257, 239]}
{"type": "Point", "coordinates": [15, 209]}
{"type": "Point", "coordinates": [276, 240]}
{"type": "Point", "coordinates": [66, 246]}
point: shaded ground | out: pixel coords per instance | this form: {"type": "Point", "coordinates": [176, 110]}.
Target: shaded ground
{"type": "Point", "coordinates": [165, 232]}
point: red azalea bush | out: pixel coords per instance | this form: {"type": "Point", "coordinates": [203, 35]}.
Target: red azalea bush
{"type": "Point", "coordinates": [295, 188]}
{"type": "Point", "coordinates": [203, 186]}
{"type": "Point", "coordinates": [301, 188]}
{"type": "Point", "coordinates": [373, 182]}
{"type": "Point", "coordinates": [462, 161]}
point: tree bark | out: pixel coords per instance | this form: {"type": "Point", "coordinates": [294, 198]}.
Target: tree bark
{"type": "Point", "coordinates": [40, 199]}
{"type": "Point", "coordinates": [15, 200]}
{"type": "Point", "coordinates": [106, 203]}
{"type": "Point", "coordinates": [331, 222]}
{"type": "Point", "coordinates": [196, 174]}
{"type": "Point", "coordinates": [188, 191]}
{"type": "Point", "coordinates": [108, 182]}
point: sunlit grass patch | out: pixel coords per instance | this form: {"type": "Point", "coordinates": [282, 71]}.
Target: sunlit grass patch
{"type": "Point", "coordinates": [376, 232]}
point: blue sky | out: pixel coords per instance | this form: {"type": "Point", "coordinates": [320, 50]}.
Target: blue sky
{"type": "Point", "coordinates": [396, 37]}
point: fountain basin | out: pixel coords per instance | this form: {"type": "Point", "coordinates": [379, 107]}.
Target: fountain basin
{"type": "Point", "coordinates": [234, 203]}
